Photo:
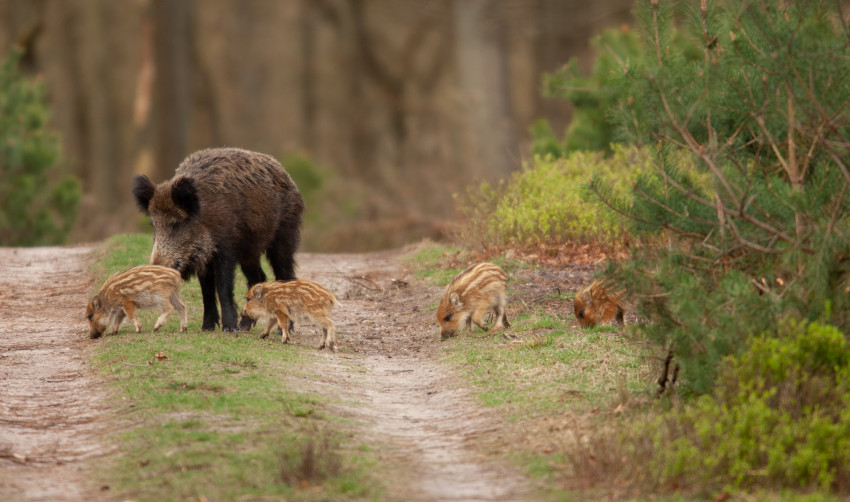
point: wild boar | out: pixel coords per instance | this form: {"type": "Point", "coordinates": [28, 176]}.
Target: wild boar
{"type": "Point", "coordinates": [598, 304]}
{"type": "Point", "coordinates": [143, 287]}
{"type": "Point", "coordinates": [469, 296]}
{"type": "Point", "coordinates": [281, 303]}
{"type": "Point", "coordinates": [222, 207]}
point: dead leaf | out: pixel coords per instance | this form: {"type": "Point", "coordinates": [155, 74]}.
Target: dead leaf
{"type": "Point", "coordinates": [160, 356]}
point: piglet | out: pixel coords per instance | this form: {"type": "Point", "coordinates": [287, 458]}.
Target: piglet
{"type": "Point", "coordinates": [142, 287]}
{"type": "Point", "coordinates": [280, 302]}
{"type": "Point", "coordinates": [598, 304]}
{"type": "Point", "coordinates": [469, 296]}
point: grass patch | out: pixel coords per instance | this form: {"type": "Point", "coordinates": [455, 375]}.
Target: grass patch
{"type": "Point", "coordinates": [558, 386]}
{"type": "Point", "coordinates": [550, 363]}
{"type": "Point", "coordinates": [434, 262]}
{"type": "Point", "coordinates": [439, 264]}
{"type": "Point", "coordinates": [214, 414]}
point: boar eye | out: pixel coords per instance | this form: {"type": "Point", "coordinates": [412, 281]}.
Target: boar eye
{"type": "Point", "coordinates": [447, 318]}
{"type": "Point", "coordinates": [581, 314]}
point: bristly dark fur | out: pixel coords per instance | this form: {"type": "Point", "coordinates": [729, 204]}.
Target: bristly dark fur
{"type": "Point", "coordinates": [143, 191]}
{"type": "Point", "coordinates": [185, 196]}
{"type": "Point", "coordinates": [224, 207]}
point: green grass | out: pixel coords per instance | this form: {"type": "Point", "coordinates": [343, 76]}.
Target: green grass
{"type": "Point", "coordinates": [439, 263]}
{"type": "Point", "coordinates": [555, 384]}
{"type": "Point", "coordinates": [550, 363]}
{"type": "Point", "coordinates": [218, 415]}
{"type": "Point", "coordinates": [435, 262]}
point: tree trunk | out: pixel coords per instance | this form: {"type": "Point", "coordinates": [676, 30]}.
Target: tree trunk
{"type": "Point", "coordinates": [482, 68]}
{"type": "Point", "coordinates": [171, 88]}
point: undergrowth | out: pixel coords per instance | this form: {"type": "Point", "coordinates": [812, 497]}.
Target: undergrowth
{"type": "Point", "coordinates": [548, 202]}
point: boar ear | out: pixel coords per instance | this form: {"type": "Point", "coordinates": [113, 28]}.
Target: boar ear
{"type": "Point", "coordinates": [454, 299]}
{"type": "Point", "coordinates": [185, 196]}
{"type": "Point", "coordinates": [143, 190]}
{"type": "Point", "coordinates": [258, 291]}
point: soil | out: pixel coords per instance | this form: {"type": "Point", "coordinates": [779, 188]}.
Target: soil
{"type": "Point", "coordinates": [52, 406]}
{"type": "Point", "coordinates": [387, 373]}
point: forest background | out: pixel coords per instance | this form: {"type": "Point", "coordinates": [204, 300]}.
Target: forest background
{"type": "Point", "coordinates": [381, 110]}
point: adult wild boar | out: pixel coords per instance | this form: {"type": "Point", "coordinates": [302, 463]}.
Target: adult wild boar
{"type": "Point", "coordinates": [222, 207]}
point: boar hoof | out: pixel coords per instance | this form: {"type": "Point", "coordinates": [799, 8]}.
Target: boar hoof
{"type": "Point", "coordinates": [264, 336]}
{"type": "Point", "coordinates": [246, 323]}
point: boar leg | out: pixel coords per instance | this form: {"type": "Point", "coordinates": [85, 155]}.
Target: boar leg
{"type": "Point", "coordinates": [208, 293]}
{"type": "Point", "coordinates": [130, 310]}
{"type": "Point", "coordinates": [501, 316]}
{"type": "Point", "coordinates": [329, 336]}
{"type": "Point", "coordinates": [253, 274]}
{"type": "Point", "coordinates": [224, 285]}
{"type": "Point", "coordinates": [281, 252]}
{"type": "Point", "coordinates": [116, 319]}
{"type": "Point", "coordinates": [269, 327]}
{"type": "Point", "coordinates": [283, 320]}
{"type": "Point", "coordinates": [167, 309]}
{"type": "Point", "coordinates": [478, 317]}
{"type": "Point", "coordinates": [178, 304]}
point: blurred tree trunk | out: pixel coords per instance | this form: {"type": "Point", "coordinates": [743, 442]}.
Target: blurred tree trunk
{"type": "Point", "coordinates": [411, 100]}
{"type": "Point", "coordinates": [482, 67]}
{"type": "Point", "coordinates": [309, 25]}
{"type": "Point", "coordinates": [172, 98]}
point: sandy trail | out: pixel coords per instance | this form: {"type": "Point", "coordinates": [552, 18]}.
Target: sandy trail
{"type": "Point", "coordinates": [424, 424]}
{"type": "Point", "coordinates": [412, 404]}
{"type": "Point", "coordinates": [52, 407]}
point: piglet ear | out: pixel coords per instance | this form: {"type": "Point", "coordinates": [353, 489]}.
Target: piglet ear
{"type": "Point", "coordinates": [185, 196]}
{"type": "Point", "coordinates": [143, 190]}
{"type": "Point", "coordinates": [96, 303]}
{"type": "Point", "coordinates": [258, 291]}
{"type": "Point", "coordinates": [454, 299]}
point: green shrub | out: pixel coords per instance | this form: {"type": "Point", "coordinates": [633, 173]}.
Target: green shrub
{"type": "Point", "coordinates": [779, 419]}
{"type": "Point", "coordinates": [547, 202]}
{"type": "Point", "coordinates": [756, 221]}
{"type": "Point", "coordinates": [33, 211]}
{"type": "Point", "coordinates": [593, 97]}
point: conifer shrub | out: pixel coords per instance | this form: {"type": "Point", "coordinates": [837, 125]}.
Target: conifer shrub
{"type": "Point", "coordinates": [755, 221]}
{"type": "Point", "coordinates": [594, 96]}
{"type": "Point", "coordinates": [37, 204]}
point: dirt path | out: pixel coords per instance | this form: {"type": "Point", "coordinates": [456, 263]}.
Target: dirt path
{"type": "Point", "coordinates": [423, 421]}
{"type": "Point", "coordinates": [414, 405]}
{"type": "Point", "coordinates": [52, 412]}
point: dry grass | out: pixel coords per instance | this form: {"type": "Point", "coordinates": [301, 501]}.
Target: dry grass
{"type": "Point", "coordinates": [310, 462]}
